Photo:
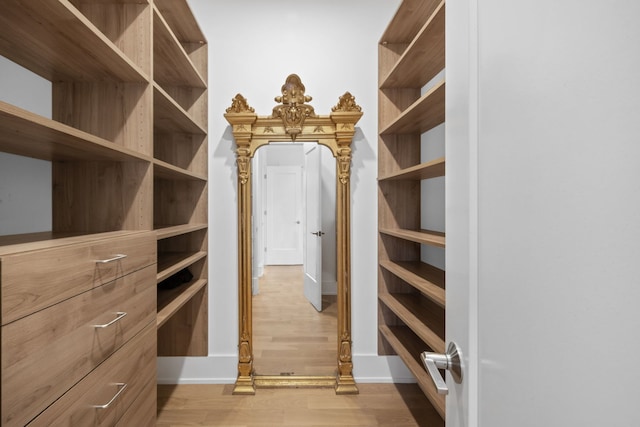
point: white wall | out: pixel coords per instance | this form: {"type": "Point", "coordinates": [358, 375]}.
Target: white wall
{"type": "Point", "coordinates": [25, 183]}
{"type": "Point", "coordinates": [432, 196]}
{"type": "Point", "coordinates": [253, 46]}
{"type": "Point", "coordinates": [432, 191]}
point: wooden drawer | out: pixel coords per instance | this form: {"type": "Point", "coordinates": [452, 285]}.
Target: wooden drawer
{"type": "Point", "coordinates": [34, 280]}
{"type": "Point", "coordinates": [143, 411]}
{"type": "Point", "coordinates": [45, 354]}
{"type": "Point", "coordinates": [134, 365]}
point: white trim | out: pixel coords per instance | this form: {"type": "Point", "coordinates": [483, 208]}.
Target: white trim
{"type": "Point", "coordinates": [380, 369]}
{"type": "Point", "coordinates": [217, 369]}
{"type": "Point", "coordinates": [222, 369]}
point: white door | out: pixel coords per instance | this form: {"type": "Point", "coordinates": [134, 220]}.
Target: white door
{"type": "Point", "coordinates": [313, 230]}
{"type": "Point", "coordinates": [543, 212]}
{"type": "Point", "coordinates": [284, 215]}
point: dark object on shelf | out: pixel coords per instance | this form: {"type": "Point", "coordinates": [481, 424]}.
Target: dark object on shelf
{"type": "Point", "coordinates": [175, 280]}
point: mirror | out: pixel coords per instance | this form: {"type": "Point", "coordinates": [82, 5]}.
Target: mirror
{"type": "Point", "coordinates": [294, 260]}
{"type": "Point", "coordinates": [291, 121]}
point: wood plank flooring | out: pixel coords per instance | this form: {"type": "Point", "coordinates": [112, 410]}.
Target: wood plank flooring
{"type": "Point", "coordinates": [389, 405]}
{"type": "Point", "coordinates": [290, 337]}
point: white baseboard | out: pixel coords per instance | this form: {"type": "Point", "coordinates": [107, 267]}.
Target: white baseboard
{"type": "Point", "coordinates": [381, 369]}
{"type": "Point", "coordinates": [214, 369]}
{"type": "Point", "coordinates": [222, 369]}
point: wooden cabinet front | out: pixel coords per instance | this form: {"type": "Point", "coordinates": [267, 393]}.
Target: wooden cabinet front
{"type": "Point", "coordinates": [103, 396]}
{"type": "Point", "coordinates": [34, 280]}
{"type": "Point", "coordinates": [45, 354]}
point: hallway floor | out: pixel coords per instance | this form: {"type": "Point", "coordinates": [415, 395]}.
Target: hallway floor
{"type": "Point", "coordinates": [290, 337]}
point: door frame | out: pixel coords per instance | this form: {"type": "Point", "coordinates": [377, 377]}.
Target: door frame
{"type": "Point", "coordinates": [294, 120]}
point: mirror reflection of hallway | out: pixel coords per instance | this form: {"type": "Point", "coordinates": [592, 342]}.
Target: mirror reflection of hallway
{"type": "Point", "coordinates": [294, 261]}
{"type": "Point", "coordinates": [290, 336]}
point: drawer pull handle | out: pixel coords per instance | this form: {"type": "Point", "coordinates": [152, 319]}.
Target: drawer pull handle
{"type": "Point", "coordinates": [115, 258]}
{"type": "Point", "coordinates": [120, 315]}
{"type": "Point", "coordinates": [106, 405]}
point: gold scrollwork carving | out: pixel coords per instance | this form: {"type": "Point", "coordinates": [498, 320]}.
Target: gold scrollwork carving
{"type": "Point", "coordinates": [345, 364]}
{"type": "Point", "coordinates": [244, 162]}
{"type": "Point", "coordinates": [345, 349]}
{"type": "Point", "coordinates": [245, 349]}
{"type": "Point", "coordinates": [239, 104]}
{"type": "Point", "coordinates": [347, 102]}
{"type": "Point", "coordinates": [344, 163]}
{"type": "Point", "coordinates": [294, 109]}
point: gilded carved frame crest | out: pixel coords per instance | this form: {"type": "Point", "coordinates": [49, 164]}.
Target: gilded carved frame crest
{"type": "Point", "coordinates": [293, 119]}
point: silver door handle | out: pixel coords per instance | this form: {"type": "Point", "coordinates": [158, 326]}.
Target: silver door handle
{"type": "Point", "coordinates": [318, 233]}
{"type": "Point", "coordinates": [449, 361]}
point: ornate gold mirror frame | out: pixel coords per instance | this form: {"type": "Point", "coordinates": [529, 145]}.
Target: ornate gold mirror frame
{"type": "Point", "coordinates": [294, 120]}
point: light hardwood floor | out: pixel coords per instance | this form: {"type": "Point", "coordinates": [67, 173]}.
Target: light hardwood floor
{"type": "Point", "coordinates": [290, 337]}
{"type": "Point", "coordinates": [390, 405]}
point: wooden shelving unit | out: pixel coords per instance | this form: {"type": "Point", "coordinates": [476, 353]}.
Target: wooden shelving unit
{"type": "Point", "coordinates": [128, 145]}
{"type": "Point", "coordinates": [427, 170]}
{"type": "Point", "coordinates": [424, 237]}
{"type": "Point", "coordinates": [28, 134]}
{"type": "Point", "coordinates": [170, 302]}
{"type": "Point", "coordinates": [180, 176]}
{"type": "Point", "coordinates": [411, 292]}
{"type": "Point", "coordinates": [176, 230]}
{"type": "Point", "coordinates": [407, 345]}
{"type": "Point", "coordinates": [422, 115]}
{"type": "Point", "coordinates": [425, 278]}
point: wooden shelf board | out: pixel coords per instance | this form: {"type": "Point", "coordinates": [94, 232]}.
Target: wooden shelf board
{"type": "Point", "coordinates": [425, 237]}
{"type": "Point", "coordinates": [168, 171]}
{"type": "Point", "coordinates": [170, 117]}
{"type": "Point", "coordinates": [409, 349]}
{"type": "Point", "coordinates": [428, 170]}
{"type": "Point", "coordinates": [426, 278]}
{"type": "Point", "coordinates": [49, 239]}
{"type": "Point", "coordinates": [172, 65]}
{"type": "Point", "coordinates": [170, 301]}
{"type": "Point", "coordinates": [30, 36]}
{"type": "Point", "coordinates": [181, 21]}
{"type": "Point", "coordinates": [408, 20]}
{"type": "Point", "coordinates": [171, 263]}
{"type": "Point", "coordinates": [28, 134]}
{"type": "Point", "coordinates": [178, 230]}
{"type": "Point", "coordinates": [423, 58]}
{"type": "Point", "coordinates": [422, 322]}
{"type": "Point", "coordinates": [424, 114]}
